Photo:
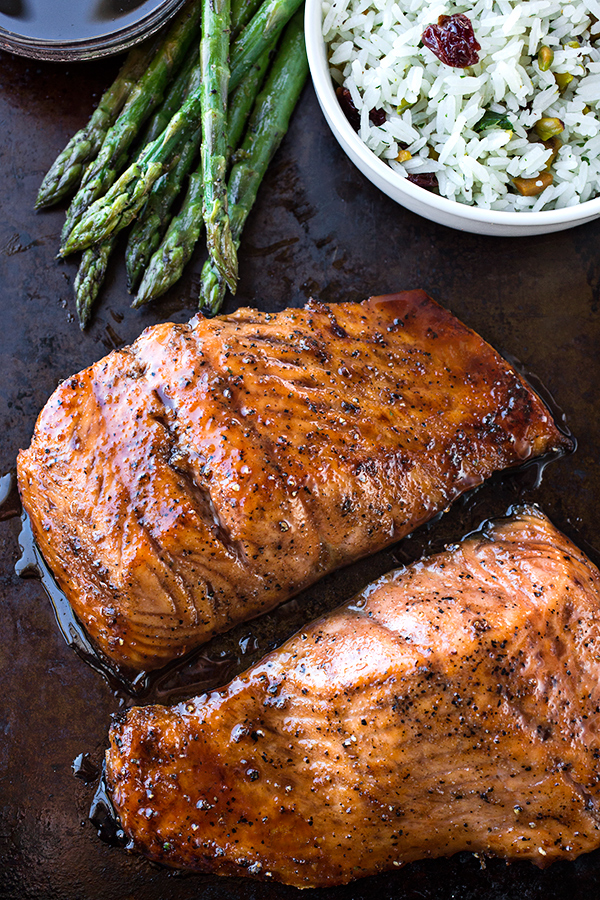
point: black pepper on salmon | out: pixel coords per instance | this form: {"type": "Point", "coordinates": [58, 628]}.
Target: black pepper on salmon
{"type": "Point", "coordinates": [210, 471]}
{"type": "Point", "coordinates": [453, 705]}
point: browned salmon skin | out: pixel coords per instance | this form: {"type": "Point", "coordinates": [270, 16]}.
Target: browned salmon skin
{"type": "Point", "coordinates": [210, 471]}
{"type": "Point", "coordinates": [451, 706]}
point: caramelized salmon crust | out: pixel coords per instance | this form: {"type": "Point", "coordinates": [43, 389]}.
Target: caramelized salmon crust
{"type": "Point", "coordinates": [212, 470]}
{"type": "Point", "coordinates": [453, 705]}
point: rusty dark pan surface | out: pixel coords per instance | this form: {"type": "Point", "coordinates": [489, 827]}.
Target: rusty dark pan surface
{"type": "Point", "coordinates": [318, 229]}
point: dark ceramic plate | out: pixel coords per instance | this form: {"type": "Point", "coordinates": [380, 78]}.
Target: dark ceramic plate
{"type": "Point", "coordinates": [66, 30]}
{"type": "Point", "coordinates": [318, 228]}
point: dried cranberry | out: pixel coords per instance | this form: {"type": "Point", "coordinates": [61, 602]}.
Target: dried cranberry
{"type": "Point", "coordinates": [427, 180]}
{"type": "Point", "coordinates": [348, 108]}
{"type": "Point", "coordinates": [377, 116]}
{"type": "Point", "coordinates": [453, 41]}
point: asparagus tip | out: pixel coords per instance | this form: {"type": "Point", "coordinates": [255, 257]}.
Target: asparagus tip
{"type": "Point", "coordinates": [140, 299]}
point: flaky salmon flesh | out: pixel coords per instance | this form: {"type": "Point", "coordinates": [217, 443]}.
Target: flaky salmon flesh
{"type": "Point", "coordinates": [211, 471]}
{"type": "Point", "coordinates": [452, 705]}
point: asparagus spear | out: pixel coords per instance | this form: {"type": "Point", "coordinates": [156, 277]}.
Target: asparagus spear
{"type": "Point", "coordinates": [150, 226]}
{"type": "Point", "coordinates": [241, 13]}
{"type": "Point", "coordinates": [94, 263]}
{"type": "Point", "coordinates": [269, 122]}
{"type": "Point", "coordinates": [144, 98]}
{"type": "Point", "coordinates": [92, 271]}
{"type": "Point", "coordinates": [242, 100]}
{"type": "Point", "coordinates": [168, 261]}
{"type": "Point", "coordinates": [119, 207]}
{"type": "Point", "coordinates": [167, 264]}
{"type": "Point", "coordinates": [153, 220]}
{"type": "Point", "coordinates": [103, 182]}
{"type": "Point", "coordinates": [187, 79]}
{"type": "Point", "coordinates": [124, 193]}
{"type": "Point", "coordinates": [90, 276]}
{"type": "Point", "coordinates": [214, 50]}
{"type": "Point", "coordinates": [66, 171]}
{"type": "Point", "coordinates": [264, 28]}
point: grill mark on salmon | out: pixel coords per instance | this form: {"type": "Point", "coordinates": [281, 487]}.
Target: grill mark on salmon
{"type": "Point", "coordinates": [213, 470]}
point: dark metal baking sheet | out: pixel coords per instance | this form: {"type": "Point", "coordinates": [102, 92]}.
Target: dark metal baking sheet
{"type": "Point", "coordinates": [318, 229]}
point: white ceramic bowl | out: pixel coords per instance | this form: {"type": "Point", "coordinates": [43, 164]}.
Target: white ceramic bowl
{"type": "Point", "coordinates": [419, 200]}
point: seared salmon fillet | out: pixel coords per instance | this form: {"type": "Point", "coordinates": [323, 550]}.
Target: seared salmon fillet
{"type": "Point", "coordinates": [453, 705]}
{"type": "Point", "coordinates": [210, 471]}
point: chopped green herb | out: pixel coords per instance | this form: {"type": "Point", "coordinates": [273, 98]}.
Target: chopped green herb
{"type": "Point", "coordinates": [493, 120]}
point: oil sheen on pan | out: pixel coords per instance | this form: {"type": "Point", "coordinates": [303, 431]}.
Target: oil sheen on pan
{"type": "Point", "coordinates": [452, 705]}
{"type": "Point", "coordinates": [210, 471]}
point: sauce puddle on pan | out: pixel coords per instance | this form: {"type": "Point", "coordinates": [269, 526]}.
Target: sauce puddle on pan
{"type": "Point", "coordinates": [10, 503]}
{"type": "Point", "coordinates": [103, 817]}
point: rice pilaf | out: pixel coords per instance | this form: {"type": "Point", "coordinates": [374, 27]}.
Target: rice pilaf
{"type": "Point", "coordinates": [477, 128]}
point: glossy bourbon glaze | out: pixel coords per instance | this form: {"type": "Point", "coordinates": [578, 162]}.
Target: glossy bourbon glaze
{"type": "Point", "coordinates": [210, 471]}
{"type": "Point", "coordinates": [452, 705]}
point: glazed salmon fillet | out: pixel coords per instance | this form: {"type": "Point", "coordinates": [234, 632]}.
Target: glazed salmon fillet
{"type": "Point", "coordinates": [453, 705]}
{"type": "Point", "coordinates": [212, 470]}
